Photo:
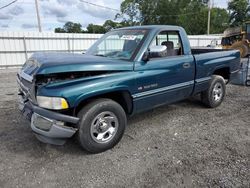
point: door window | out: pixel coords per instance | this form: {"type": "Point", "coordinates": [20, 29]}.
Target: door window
{"type": "Point", "coordinates": [172, 41]}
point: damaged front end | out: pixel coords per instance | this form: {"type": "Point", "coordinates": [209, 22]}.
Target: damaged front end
{"type": "Point", "coordinates": [50, 84]}
{"type": "Point", "coordinates": [49, 126]}
{"type": "Point", "coordinates": [45, 79]}
{"type": "Point", "coordinates": [50, 123]}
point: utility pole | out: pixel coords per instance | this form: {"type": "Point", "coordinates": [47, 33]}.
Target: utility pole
{"type": "Point", "coordinates": [209, 15]}
{"type": "Point", "coordinates": [38, 17]}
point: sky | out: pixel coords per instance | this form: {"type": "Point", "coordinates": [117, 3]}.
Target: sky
{"type": "Point", "coordinates": [21, 15]}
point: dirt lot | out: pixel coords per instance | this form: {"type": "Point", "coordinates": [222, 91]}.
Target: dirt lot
{"type": "Point", "coordinates": [180, 145]}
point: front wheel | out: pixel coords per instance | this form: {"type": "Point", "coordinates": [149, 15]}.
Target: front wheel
{"type": "Point", "coordinates": [215, 93]}
{"type": "Point", "coordinates": [102, 124]}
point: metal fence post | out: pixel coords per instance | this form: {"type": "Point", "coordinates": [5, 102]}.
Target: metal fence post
{"type": "Point", "coordinates": [25, 48]}
{"type": "Point", "coordinates": [72, 48]}
{"type": "Point", "coordinates": [68, 44]}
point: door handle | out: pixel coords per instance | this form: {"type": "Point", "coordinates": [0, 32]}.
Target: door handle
{"type": "Point", "coordinates": [186, 65]}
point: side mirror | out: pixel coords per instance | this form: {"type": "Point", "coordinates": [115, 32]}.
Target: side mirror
{"type": "Point", "coordinates": [145, 56]}
{"type": "Point", "coordinates": [154, 51]}
{"type": "Point", "coordinates": [157, 48]}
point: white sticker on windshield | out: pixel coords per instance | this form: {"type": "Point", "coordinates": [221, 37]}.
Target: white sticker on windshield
{"type": "Point", "coordinates": [128, 37]}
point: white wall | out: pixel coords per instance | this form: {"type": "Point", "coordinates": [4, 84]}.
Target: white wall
{"type": "Point", "coordinates": [203, 40]}
{"type": "Point", "coordinates": [16, 47]}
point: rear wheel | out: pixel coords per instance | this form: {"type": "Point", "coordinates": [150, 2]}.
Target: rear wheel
{"type": "Point", "coordinates": [248, 83]}
{"type": "Point", "coordinates": [102, 124]}
{"type": "Point", "coordinates": [214, 95]}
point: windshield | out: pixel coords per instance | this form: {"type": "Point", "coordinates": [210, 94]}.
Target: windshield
{"type": "Point", "coordinates": [120, 44]}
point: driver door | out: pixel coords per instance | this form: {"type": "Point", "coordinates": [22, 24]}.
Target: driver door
{"type": "Point", "coordinates": [164, 79]}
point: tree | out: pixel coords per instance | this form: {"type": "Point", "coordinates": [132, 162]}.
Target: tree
{"type": "Point", "coordinates": [194, 18]}
{"type": "Point", "coordinates": [219, 20]}
{"type": "Point", "coordinates": [95, 29]}
{"type": "Point", "coordinates": [70, 27]}
{"type": "Point", "coordinates": [196, 22]}
{"type": "Point", "coordinates": [239, 12]}
{"type": "Point", "coordinates": [59, 30]}
{"type": "Point", "coordinates": [109, 25]}
{"type": "Point", "coordinates": [130, 11]}
{"type": "Point", "coordinates": [190, 14]}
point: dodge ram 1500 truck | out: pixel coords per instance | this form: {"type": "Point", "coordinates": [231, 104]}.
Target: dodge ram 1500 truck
{"type": "Point", "coordinates": [127, 71]}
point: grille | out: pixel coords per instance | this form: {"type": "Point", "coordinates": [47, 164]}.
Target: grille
{"type": "Point", "coordinates": [27, 88]}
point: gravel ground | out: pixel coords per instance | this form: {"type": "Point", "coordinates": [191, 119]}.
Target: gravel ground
{"type": "Point", "coordinates": [179, 145]}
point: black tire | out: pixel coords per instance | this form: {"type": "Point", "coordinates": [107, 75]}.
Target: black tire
{"type": "Point", "coordinates": [92, 114]}
{"type": "Point", "coordinates": [248, 83]}
{"type": "Point", "coordinates": [208, 97]}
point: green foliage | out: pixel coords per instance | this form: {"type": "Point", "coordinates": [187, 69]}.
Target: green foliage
{"type": "Point", "coordinates": [132, 10]}
{"type": "Point", "coordinates": [194, 18]}
{"type": "Point", "coordinates": [239, 12]}
{"type": "Point", "coordinates": [59, 30]}
{"type": "Point", "coordinates": [95, 29]}
{"type": "Point", "coordinates": [169, 12]}
{"type": "Point", "coordinates": [219, 20]}
{"type": "Point", "coordinates": [109, 25]}
{"type": "Point", "coordinates": [190, 14]}
{"type": "Point", "coordinates": [69, 27]}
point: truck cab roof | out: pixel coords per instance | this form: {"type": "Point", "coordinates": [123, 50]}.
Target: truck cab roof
{"type": "Point", "coordinates": [153, 27]}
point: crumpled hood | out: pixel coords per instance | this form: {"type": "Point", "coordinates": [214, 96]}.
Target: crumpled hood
{"type": "Point", "coordinates": [68, 62]}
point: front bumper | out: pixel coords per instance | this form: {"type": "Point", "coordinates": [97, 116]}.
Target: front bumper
{"type": "Point", "coordinates": [48, 126]}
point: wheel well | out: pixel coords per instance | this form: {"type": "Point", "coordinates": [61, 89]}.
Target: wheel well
{"type": "Point", "coordinates": [121, 97]}
{"type": "Point", "coordinates": [224, 72]}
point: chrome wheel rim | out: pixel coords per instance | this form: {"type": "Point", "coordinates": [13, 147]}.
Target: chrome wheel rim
{"type": "Point", "coordinates": [217, 92]}
{"type": "Point", "coordinates": [104, 127]}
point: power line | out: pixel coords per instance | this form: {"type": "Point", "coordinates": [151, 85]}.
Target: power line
{"type": "Point", "coordinates": [100, 6]}
{"type": "Point", "coordinates": [8, 4]}
{"type": "Point", "coordinates": [15, 10]}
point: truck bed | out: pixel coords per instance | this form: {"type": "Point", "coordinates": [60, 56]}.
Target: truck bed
{"type": "Point", "coordinates": [209, 60]}
{"type": "Point", "coordinates": [206, 50]}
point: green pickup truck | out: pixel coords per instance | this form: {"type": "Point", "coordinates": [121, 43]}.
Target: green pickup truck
{"type": "Point", "coordinates": [127, 71]}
